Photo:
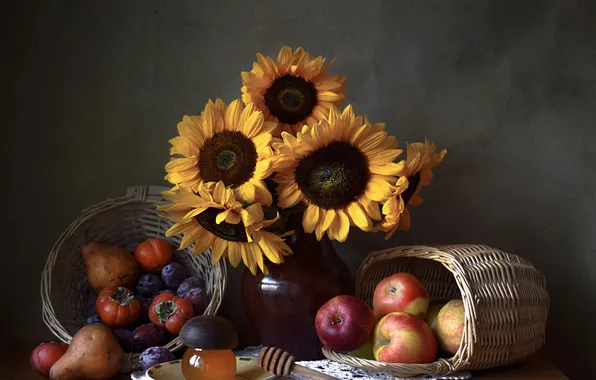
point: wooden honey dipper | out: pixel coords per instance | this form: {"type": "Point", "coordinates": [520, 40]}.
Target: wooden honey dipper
{"type": "Point", "coordinates": [281, 363]}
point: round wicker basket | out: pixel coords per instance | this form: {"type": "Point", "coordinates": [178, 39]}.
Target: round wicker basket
{"type": "Point", "coordinates": [126, 221]}
{"type": "Point", "coordinates": [505, 299]}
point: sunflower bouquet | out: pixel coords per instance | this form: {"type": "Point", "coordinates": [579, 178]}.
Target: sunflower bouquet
{"type": "Point", "coordinates": [238, 170]}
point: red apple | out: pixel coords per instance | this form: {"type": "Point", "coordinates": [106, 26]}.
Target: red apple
{"type": "Point", "coordinates": [344, 323]}
{"type": "Point", "coordinates": [404, 338]}
{"type": "Point", "coordinates": [400, 292]}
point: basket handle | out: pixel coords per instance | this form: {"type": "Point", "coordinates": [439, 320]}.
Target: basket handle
{"type": "Point", "coordinates": [141, 194]}
{"type": "Point", "coordinates": [146, 194]}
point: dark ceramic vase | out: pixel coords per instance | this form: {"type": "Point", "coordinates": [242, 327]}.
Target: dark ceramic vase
{"type": "Point", "coordinates": [282, 305]}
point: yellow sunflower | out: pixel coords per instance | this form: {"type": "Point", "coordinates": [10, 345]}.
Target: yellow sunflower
{"type": "Point", "coordinates": [294, 90]}
{"type": "Point", "coordinates": [225, 143]}
{"type": "Point", "coordinates": [341, 168]}
{"type": "Point", "coordinates": [214, 218]}
{"type": "Point", "coordinates": [420, 160]}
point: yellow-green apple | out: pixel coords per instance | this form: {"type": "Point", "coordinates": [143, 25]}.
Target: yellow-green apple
{"type": "Point", "coordinates": [450, 325]}
{"type": "Point", "coordinates": [400, 292]}
{"type": "Point", "coordinates": [365, 351]}
{"type": "Point", "coordinates": [432, 313]}
{"type": "Point", "coordinates": [404, 338]}
{"type": "Point", "coordinates": [344, 323]}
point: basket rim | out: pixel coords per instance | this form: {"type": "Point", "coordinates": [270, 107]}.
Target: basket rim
{"type": "Point", "coordinates": [441, 366]}
{"type": "Point", "coordinates": [138, 194]}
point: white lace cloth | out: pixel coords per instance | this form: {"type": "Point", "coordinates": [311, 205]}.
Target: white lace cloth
{"type": "Point", "coordinates": [346, 372]}
{"type": "Point", "coordinates": [339, 370]}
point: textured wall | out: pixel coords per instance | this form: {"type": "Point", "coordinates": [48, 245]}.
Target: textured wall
{"type": "Point", "coordinates": [508, 87]}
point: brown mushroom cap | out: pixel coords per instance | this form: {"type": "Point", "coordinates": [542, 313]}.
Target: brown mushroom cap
{"type": "Point", "coordinates": [209, 332]}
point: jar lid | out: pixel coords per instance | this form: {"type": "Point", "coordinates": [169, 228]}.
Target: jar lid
{"type": "Point", "coordinates": [209, 332]}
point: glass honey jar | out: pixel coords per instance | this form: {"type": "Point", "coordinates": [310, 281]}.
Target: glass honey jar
{"type": "Point", "coordinates": [209, 356]}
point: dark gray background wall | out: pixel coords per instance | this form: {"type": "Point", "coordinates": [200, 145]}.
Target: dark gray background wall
{"type": "Point", "coordinates": [94, 91]}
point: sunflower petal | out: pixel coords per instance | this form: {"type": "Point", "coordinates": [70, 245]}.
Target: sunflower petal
{"type": "Point", "coordinates": [219, 192]}
{"type": "Point", "coordinates": [191, 128]}
{"type": "Point", "coordinates": [372, 141]}
{"type": "Point", "coordinates": [262, 141]}
{"type": "Point", "coordinates": [388, 169]}
{"type": "Point", "coordinates": [190, 237]}
{"type": "Point", "coordinates": [234, 254]}
{"type": "Point", "coordinates": [183, 146]}
{"type": "Point", "coordinates": [329, 216]}
{"type": "Point", "coordinates": [181, 163]}
{"type": "Point", "coordinates": [233, 218]}
{"type": "Point", "coordinates": [218, 248]}
{"type": "Point", "coordinates": [334, 115]}
{"type": "Point", "coordinates": [329, 84]}
{"type": "Point", "coordinates": [329, 96]}
{"type": "Point", "coordinates": [232, 115]}
{"type": "Point", "coordinates": [253, 125]}
{"type": "Point", "coordinates": [360, 134]}
{"type": "Point", "coordinates": [390, 207]}
{"type": "Point", "coordinates": [371, 207]}
{"type": "Point", "coordinates": [252, 214]}
{"type": "Point", "coordinates": [179, 228]}
{"type": "Point", "coordinates": [246, 192]}
{"type": "Point", "coordinates": [203, 243]}
{"type": "Point", "coordinates": [289, 195]}
{"type": "Point", "coordinates": [284, 59]}
{"type": "Point", "coordinates": [310, 218]}
{"type": "Point", "coordinates": [263, 169]}
{"type": "Point", "coordinates": [319, 231]}
{"type": "Point", "coordinates": [254, 251]}
{"type": "Point", "coordinates": [342, 223]}
{"type": "Point", "coordinates": [378, 189]}
{"type": "Point", "coordinates": [358, 215]}
{"type": "Point", "coordinates": [248, 258]}
{"type": "Point", "coordinates": [384, 157]}
{"type": "Point", "coordinates": [320, 113]}
{"type": "Point", "coordinates": [262, 194]}
{"type": "Point", "coordinates": [196, 211]}
{"type": "Point", "coordinates": [221, 216]}
{"type": "Point", "coordinates": [210, 120]}
{"type": "Point", "coordinates": [262, 239]}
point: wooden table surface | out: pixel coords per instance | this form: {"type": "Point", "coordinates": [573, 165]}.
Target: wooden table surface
{"type": "Point", "coordinates": [14, 364]}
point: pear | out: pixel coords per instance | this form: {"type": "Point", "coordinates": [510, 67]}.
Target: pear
{"type": "Point", "coordinates": [109, 266]}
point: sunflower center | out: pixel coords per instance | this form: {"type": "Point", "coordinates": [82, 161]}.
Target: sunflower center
{"type": "Point", "coordinates": [226, 159]}
{"type": "Point", "coordinates": [334, 176]}
{"type": "Point", "coordinates": [228, 156]}
{"type": "Point", "coordinates": [224, 230]}
{"type": "Point", "coordinates": [413, 183]}
{"type": "Point", "coordinates": [291, 99]}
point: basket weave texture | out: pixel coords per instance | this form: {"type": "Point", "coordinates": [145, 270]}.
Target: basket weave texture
{"type": "Point", "coordinates": [126, 222]}
{"type": "Point", "coordinates": [505, 299]}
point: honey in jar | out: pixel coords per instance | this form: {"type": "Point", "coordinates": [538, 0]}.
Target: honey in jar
{"type": "Point", "coordinates": [198, 364]}
{"type": "Point", "coordinates": [209, 356]}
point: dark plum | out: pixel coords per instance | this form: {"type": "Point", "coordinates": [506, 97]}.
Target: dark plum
{"type": "Point", "coordinates": [154, 356]}
{"type": "Point", "coordinates": [94, 319]}
{"type": "Point", "coordinates": [199, 300]}
{"type": "Point", "coordinates": [145, 303]}
{"type": "Point", "coordinates": [190, 283]}
{"type": "Point", "coordinates": [124, 337]}
{"type": "Point", "coordinates": [173, 274]}
{"type": "Point", "coordinates": [90, 307]}
{"type": "Point", "coordinates": [149, 284]}
{"type": "Point", "coordinates": [147, 335]}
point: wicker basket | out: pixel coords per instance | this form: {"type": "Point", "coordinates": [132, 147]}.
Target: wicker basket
{"type": "Point", "coordinates": [505, 299]}
{"type": "Point", "coordinates": [126, 222]}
